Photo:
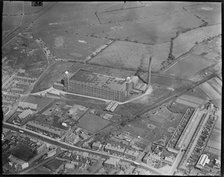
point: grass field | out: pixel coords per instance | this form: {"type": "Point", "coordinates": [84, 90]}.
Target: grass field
{"type": "Point", "coordinates": [188, 66]}
{"type": "Point", "coordinates": [122, 54]}
{"type": "Point", "coordinates": [92, 123]}
{"type": "Point", "coordinates": [67, 16]}
{"type": "Point", "coordinates": [71, 46]}
{"type": "Point", "coordinates": [12, 8]}
{"type": "Point", "coordinates": [210, 50]}
{"type": "Point", "coordinates": [210, 12]}
{"type": "Point", "coordinates": [215, 139]}
{"type": "Point", "coordinates": [16, 8]}
{"type": "Point", "coordinates": [152, 24]}
{"type": "Point", "coordinates": [185, 41]}
{"type": "Point", "coordinates": [10, 23]}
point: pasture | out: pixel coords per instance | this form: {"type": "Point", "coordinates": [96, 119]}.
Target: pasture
{"type": "Point", "coordinates": [210, 12]}
{"type": "Point", "coordinates": [69, 45]}
{"type": "Point", "coordinates": [185, 41]}
{"type": "Point", "coordinates": [129, 55]}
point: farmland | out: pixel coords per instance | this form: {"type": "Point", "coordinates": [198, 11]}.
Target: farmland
{"type": "Point", "coordinates": [210, 49]}
{"type": "Point", "coordinates": [147, 24]}
{"type": "Point", "coordinates": [10, 23]}
{"type": "Point", "coordinates": [185, 41]}
{"type": "Point", "coordinates": [210, 12]}
{"type": "Point", "coordinates": [16, 8]}
{"type": "Point", "coordinates": [71, 46]}
{"type": "Point", "coordinates": [12, 14]}
{"type": "Point", "coordinates": [128, 55]}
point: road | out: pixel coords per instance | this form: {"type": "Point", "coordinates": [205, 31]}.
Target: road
{"type": "Point", "coordinates": [72, 147]}
{"type": "Point", "coordinates": [176, 162]}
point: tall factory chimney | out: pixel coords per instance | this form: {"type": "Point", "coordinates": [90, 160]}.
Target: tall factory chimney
{"type": "Point", "coordinates": [66, 80]}
{"type": "Point", "coordinates": [149, 71]}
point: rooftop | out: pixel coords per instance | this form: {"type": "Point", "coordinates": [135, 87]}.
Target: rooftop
{"type": "Point", "coordinates": [112, 161]}
{"type": "Point", "coordinates": [99, 80]}
{"type": "Point", "coordinates": [25, 113]}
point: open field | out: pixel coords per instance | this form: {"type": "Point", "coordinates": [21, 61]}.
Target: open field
{"type": "Point", "coordinates": [71, 46]}
{"type": "Point", "coordinates": [92, 123]}
{"type": "Point", "coordinates": [197, 92]}
{"type": "Point", "coordinates": [210, 91]}
{"type": "Point", "coordinates": [210, 12]}
{"type": "Point", "coordinates": [10, 23]}
{"type": "Point", "coordinates": [67, 16]}
{"type": "Point", "coordinates": [16, 8]}
{"type": "Point", "coordinates": [188, 66]}
{"type": "Point", "coordinates": [210, 50]}
{"type": "Point", "coordinates": [162, 121]}
{"type": "Point", "coordinates": [147, 24]}
{"type": "Point", "coordinates": [215, 139]}
{"type": "Point", "coordinates": [185, 41]}
{"type": "Point", "coordinates": [122, 54]}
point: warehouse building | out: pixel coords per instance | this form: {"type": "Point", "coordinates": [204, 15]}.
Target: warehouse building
{"type": "Point", "coordinates": [85, 82]}
{"type": "Point", "coordinates": [97, 85]}
{"type": "Point", "coordinates": [202, 161]}
{"type": "Point", "coordinates": [25, 113]}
